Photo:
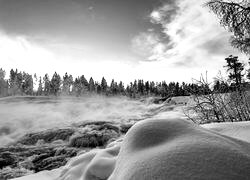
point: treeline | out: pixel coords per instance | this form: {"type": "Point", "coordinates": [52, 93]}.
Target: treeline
{"type": "Point", "coordinates": [22, 83]}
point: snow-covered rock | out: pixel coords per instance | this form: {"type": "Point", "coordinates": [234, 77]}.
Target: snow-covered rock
{"type": "Point", "coordinates": [97, 164]}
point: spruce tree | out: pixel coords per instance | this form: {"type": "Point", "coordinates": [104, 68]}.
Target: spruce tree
{"type": "Point", "coordinates": [40, 87]}
{"type": "Point", "coordinates": [3, 84]}
{"type": "Point", "coordinates": [55, 84]}
{"type": "Point", "coordinates": [104, 85]}
{"type": "Point", "coordinates": [235, 68]}
{"type": "Point", "coordinates": [27, 84]}
{"type": "Point", "coordinates": [91, 85]}
{"type": "Point", "coordinates": [84, 84]}
{"type": "Point", "coordinates": [47, 88]}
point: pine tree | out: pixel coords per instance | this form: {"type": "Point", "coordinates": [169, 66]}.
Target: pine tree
{"type": "Point", "coordinates": [3, 84]}
{"type": "Point", "coordinates": [77, 87]}
{"type": "Point", "coordinates": [98, 88]}
{"type": "Point", "coordinates": [40, 87]}
{"type": "Point", "coordinates": [235, 68]}
{"type": "Point", "coordinates": [19, 81]}
{"type": "Point", "coordinates": [112, 87]}
{"type": "Point", "coordinates": [177, 89]}
{"type": "Point", "coordinates": [46, 82]}
{"type": "Point", "coordinates": [15, 82]}
{"type": "Point", "coordinates": [55, 84]}
{"type": "Point", "coordinates": [27, 84]}
{"type": "Point", "coordinates": [35, 80]}
{"type": "Point", "coordinates": [67, 84]}
{"type": "Point", "coordinates": [91, 85]}
{"type": "Point", "coordinates": [147, 89]}
{"type": "Point", "coordinates": [104, 85]}
{"type": "Point", "coordinates": [140, 87]}
{"type": "Point", "coordinates": [121, 89]}
{"type": "Point", "coordinates": [12, 82]}
{"type": "Point", "coordinates": [84, 84]}
{"type": "Point", "coordinates": [152, 87]}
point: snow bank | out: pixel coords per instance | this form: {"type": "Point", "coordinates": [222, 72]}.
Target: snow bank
{"type": "Point", "coordinates": [177, 149]}
{"type": "Point", "coordinates": [166, 149]}
{"type": "Point", "coordinates": [239, 130]}
{"type": "Point", "coordinates": [43, 175]}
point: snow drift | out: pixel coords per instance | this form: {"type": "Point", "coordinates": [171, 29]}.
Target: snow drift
{"type": "Point", "coordinates": [165, 146]}
{"type": "Point", "coordinates": [177, 149]}
{"type": "Point", "coordinates": [239, 130]}
{"type": "Point", "coordinates": [163, 149]}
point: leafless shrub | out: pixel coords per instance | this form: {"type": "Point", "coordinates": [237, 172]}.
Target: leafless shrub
{"type": "Point", "coordinates": [218, 105]}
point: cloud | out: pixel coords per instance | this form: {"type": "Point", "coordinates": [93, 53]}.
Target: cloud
{"type": "Point", "coordinates": [148, 44]}
{"type": "Point", "coordinates": [165, 13]}
{"type": "Point", "coordinates": [194, 36]}
{"type": "Point", "coordinates": [26, 55]}
{"type": "Point", "coordinates": [19, 52]}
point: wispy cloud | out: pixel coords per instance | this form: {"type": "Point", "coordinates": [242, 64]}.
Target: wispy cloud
{"type": "Point", "coordinates": [149, 45]}
{"type": "Point", "coordinates": [194, 35]}
{"type": "Point", "coordinates": [165, 13]}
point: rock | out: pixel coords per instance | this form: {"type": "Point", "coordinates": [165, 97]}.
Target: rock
{"type": "Point", "coordinates": [49, 163]}
{"type": "Point", "coordinates": [125, 127]}
{"type": "Point", "coordinates": [34, 158]}
{"type": "Point", "coordinates": [93, 138]}
{"type": "Point", "coordinates": [47, 136]}
{"type": "Point", "coordinates": [9, 173]}
{"type": "Point", "coordinates": [7, 159]}
{"type": "Point", "coordinates": [99, 125]}
{"type": "Point", "coordinates": [50, 149]}
{"type": "Point", "coordinates": [160, 100]}
{"type": "Point", "coordinates": [96, 134]}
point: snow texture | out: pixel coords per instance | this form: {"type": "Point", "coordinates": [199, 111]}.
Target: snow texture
{"type": "Point", "coordinates": [43, 175]}
{"type": "Point", "coordinates": [239, 130]}
{"type": "Point", "coordinates": [172, 149]}
{"type": "Point", "coordinates": [178, 149]}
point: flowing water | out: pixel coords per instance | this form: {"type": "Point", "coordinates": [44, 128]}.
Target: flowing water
{"type": "Point", "coordinates": [21, 115]}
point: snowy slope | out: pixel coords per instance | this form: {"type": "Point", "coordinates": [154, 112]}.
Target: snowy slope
{"type": "Point", "coordinates": [43, 175]}
{"type": "Point", "coordinates": [160, 149]}
{"type": "Point", "coordinates": [239, 130]}
{"type": "Point", "coordinates": [177, 149]}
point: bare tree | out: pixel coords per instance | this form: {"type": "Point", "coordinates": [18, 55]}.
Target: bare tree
{"type": "Point", "coordinates": [217, 106]}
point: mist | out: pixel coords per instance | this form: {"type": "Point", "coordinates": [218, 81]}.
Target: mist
{"type": "Point", "coordinates": [21, 115]}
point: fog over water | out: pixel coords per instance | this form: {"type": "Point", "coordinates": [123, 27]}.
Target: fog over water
{"type": "Point", "coordinates": [21, 115]}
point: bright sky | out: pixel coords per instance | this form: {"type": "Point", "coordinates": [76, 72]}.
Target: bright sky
{"type": "Point", "coordinates": [172, 40]}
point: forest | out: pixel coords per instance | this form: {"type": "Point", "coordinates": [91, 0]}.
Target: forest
{"type": "Point", "coordinates": [22, 83]}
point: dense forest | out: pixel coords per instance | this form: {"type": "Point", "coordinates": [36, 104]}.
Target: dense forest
{"type": "Point", "coordinates": [22, 83]}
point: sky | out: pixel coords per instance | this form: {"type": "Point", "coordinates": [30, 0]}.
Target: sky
{"type": "Point", "coordinates": [172, 40]}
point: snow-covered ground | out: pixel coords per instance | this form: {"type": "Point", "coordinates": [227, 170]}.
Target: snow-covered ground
{"type": "Point", "coordinates": [165, 147]}
{"type": "Point", "coordinates": [209, 152]}
{"type": "Point", "coordinates": [239, 130]}
{"type": "Point", "coordinates": [43, 175]}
